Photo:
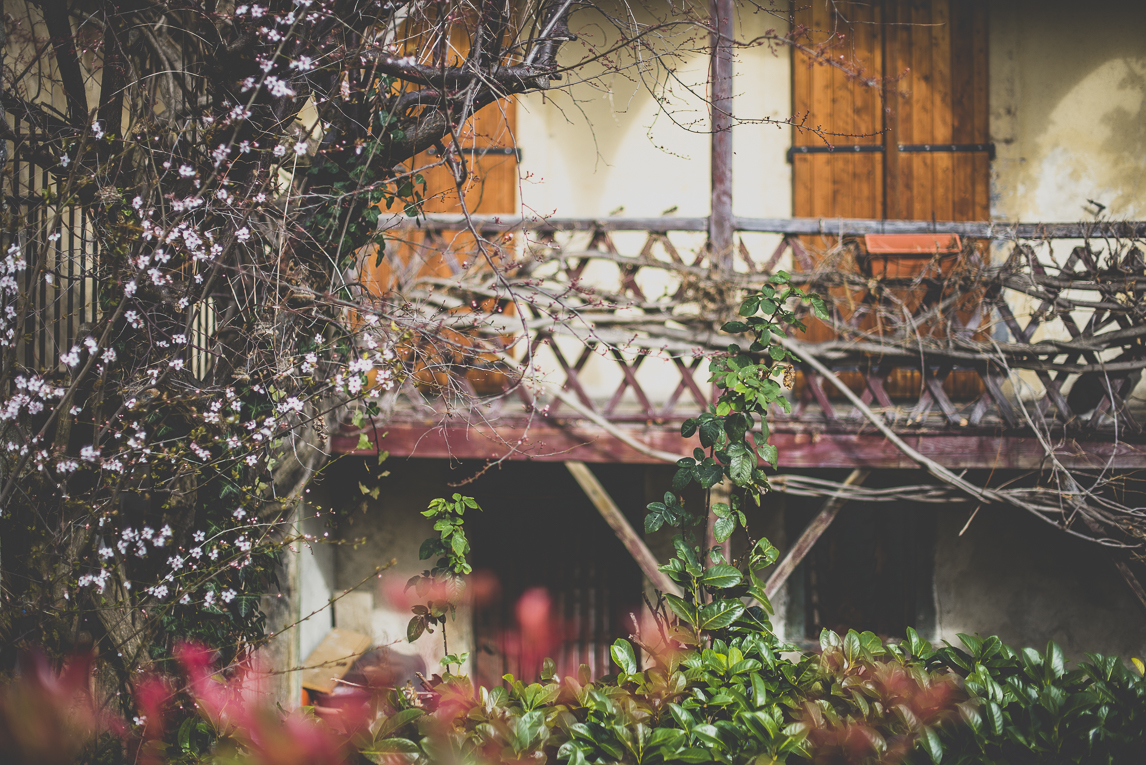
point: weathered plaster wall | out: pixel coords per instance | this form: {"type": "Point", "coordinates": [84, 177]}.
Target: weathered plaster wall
{"type": "Point", "coordinates": [315, 563]}
{"type": "Point", "coordinates": [372, 532]}
{"type": "Point", "coordinates": [1014, 576]}
{"type": "Point", "coordinates": [607, 143]}
{"type": "Point", "coordinates": [1068, 118]}
{"type": "Point", "coordinates": [633, 142]}
{"type": "Point", "coordinates": [1068, 109]}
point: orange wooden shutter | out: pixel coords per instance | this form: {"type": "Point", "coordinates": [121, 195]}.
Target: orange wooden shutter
{"type": "Point", "coordinates": [489, 187]}
{"type": "Point", "coordinates": [845, 183]}
{"type": "Point", "coordinates": [930, 117]}
{"type": "Point", "coordinates": [939, 48]}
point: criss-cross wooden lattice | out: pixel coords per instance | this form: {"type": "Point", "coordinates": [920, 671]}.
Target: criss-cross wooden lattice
{"type": "Point", "coordinates": [623, 319]}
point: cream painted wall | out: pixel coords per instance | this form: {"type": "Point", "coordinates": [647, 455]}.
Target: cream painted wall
{"type": "Point", "coordinates": [1068, 109]}
{"type": "Point", "coordinates": [627, 142]}
{"type": "Point", "coordinates": [608, 143]}
{"type": "Point", "coordinates": [1068, 118]}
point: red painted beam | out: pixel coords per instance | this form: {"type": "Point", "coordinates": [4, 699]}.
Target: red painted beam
{"type": "Point", "coordinates": [553, 442]}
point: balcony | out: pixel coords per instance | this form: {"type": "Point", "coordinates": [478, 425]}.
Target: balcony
{"type": "Point", "coordinates": [1021, 345]}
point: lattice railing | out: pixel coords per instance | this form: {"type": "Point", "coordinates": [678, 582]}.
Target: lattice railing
{"type": "Point", "coordinates": [1020, 327]}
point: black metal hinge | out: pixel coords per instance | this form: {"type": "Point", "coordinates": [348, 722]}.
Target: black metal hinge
{"type": "Point", "coordinates": [948, 148]}
{"type": "Point", "coordinates": [861, 148]}
{"type": "Point", "coordinates": [472, 151]}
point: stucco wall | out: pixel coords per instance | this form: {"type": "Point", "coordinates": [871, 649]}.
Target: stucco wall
{"type": "Point", "coordinates": [1068, 90]}
{"type": "Point", "coordinates": [370, 533]}
{"type": "Point", "coordinates": [607, 143]}
{"type": "Point", "coordinates": [1014, 576]}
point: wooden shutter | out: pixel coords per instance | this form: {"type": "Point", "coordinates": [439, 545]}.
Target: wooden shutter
{"type": "Point", "coordinates": [940, 48]}
{"type": "Point", "coordinates": [489, 187]}
{"type": "Point", "coordinates": [932, 58]}
{"type": "Point", "coordinates": [845, 183]}
{"type": "Point", "coordinates": [904, 104]}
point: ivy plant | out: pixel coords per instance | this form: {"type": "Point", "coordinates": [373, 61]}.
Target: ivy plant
{"type": "Point", "coordinates": [444, 585]}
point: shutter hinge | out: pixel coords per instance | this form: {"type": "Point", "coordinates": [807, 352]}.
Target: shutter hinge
{"type": "Point", "coordinates": [948, 148]}
{"type": "Point", "coordinates": [482, 151]}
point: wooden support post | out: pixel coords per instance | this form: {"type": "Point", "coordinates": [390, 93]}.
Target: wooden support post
{"type": "Point", "coordinates": [814, 531]}
{"type": "Point", "coordinates": [720, 225]}
{"type": "Point", "coordinates": [621, 527]}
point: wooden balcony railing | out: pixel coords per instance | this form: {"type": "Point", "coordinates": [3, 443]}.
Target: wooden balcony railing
{"type": "Point", "coordinates": [613, 320]}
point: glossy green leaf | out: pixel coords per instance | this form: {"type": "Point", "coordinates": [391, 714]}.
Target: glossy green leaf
{"type": "Point", "coordinates": [719, 614]}
{"type": "Point", "coordinates": [623, 654]}
{"type": "Point", "coordinates": [721, 576]}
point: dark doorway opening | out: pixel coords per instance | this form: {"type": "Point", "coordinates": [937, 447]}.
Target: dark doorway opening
{"type": "Point", "coordinates": [540, 538]}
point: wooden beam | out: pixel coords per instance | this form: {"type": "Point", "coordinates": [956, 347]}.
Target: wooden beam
{"type": "Point", "coordinates": [800, 447]}
{"type": "Point", "coordinates": [1131, 581]}
{"type": "Point", "coordinates": [814, 531]}
{"type": "Point", "coordinates": [720, 226]}
{"type": "Point", "coordinates": [621, 527]}
{"type": "Point", "coordinates": [794, 226]}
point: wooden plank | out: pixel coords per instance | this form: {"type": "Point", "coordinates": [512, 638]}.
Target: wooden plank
{"type": "Point", "coordinates": [838, 91]}
{"type": "Point", "coordinates": [332, 659]}
{"type": "Point", "coordinates": [942, 164]}
{"type": "Point", "coordinates": [921, 83]}
{"type": "Point", "coordinates": [981, 173]}
{"type": "Point", "coordinates": [1002, 231]}
{"type": "Point", "coordinates": [903, 75]}
{"type": "Point", "coordinates": [620, 526]}
{"type": "Point", "coordinates": [560, 441]}
{"type": "Point", "coordinates": [962, 111]}
{"type": "Point", "coordinates": [811, 534]}
{"type": "Point", "coordinates": [720, 233]}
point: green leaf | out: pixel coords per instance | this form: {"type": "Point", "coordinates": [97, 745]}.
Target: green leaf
{"type": "Point", "coordinates": [687, 555]}
{"type": "Point", "coordinates": [759, 690]}
{"type": "Point", "coordinates": [719, 614]}
{"type": "Point", "coordinates": [995, 715]}
{"type": "Point", "coordinates": [852, 646]}
{"type": "Point", "coordinates": [681, 608]}
{"type": "Point", "coordinates": [818, 307]}
{"type": "Point", "coordinates": [415, 628]}
{"type": "Point", "coordinates": [383, 751]}
{"type": "Point", "coordinates": [721, 576]}
{"type": "Point", "coordinates": [723, 529]}
{"type": "Point", "coordinates": [623, 655]}
{"type": "Point", "coordinates": [769, 453]}
{"type": "Point", "coordinates": [710, 432]}
{"type": "Point", "coordinates": [742, 462]}
{"type": "Point", "coordinates": [931, 743]}
{"type": "Point", "coordinates": [708, 473]}
{"type": "Point", "coordinates": [1055, 662]}
{"type": "Point", "coordinates": [653, 522]}
{"type": "Point", "coordinates": [749, 306]}
{"type": "Point", "coordinates": [687, 428]}
{"type": "Point", "coordinates": [734, 327]}
{"type": "Point", "coordinates": [388, 725]}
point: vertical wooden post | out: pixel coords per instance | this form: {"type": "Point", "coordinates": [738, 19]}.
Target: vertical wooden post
{"type": "Point", "coordinates": [720, 232]}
